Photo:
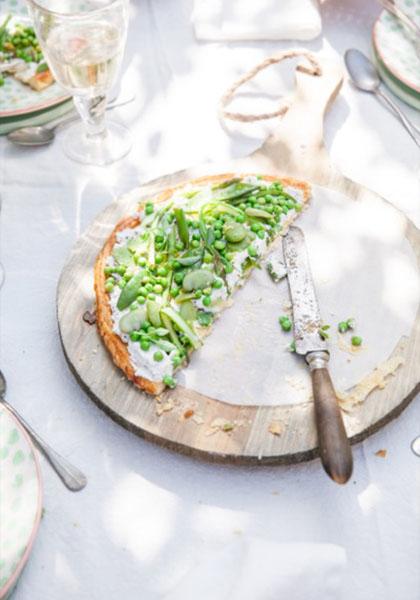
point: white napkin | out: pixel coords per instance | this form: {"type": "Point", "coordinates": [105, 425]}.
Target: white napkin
{"type": "Point", "coordinates": [257, 569]}
{"type": "Point", "coordinates": [256, 19]}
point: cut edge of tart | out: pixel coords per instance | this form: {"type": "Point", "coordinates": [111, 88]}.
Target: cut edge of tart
{"type": "Point", "coordinates": [166, 272]}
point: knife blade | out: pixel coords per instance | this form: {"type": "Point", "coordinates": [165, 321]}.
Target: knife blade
{"type": "Point", "coordinates": [334, 446]}
{"type": "Point", "coordinates": [306, 314]}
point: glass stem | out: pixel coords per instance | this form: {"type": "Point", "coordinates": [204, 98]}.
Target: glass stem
{"type": "Point", "coordinates": [92, 111]}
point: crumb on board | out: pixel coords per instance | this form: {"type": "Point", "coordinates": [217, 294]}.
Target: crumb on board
{"type": "Point", "coordinates": [188, 413]}
{"type": "Point", "coordinates": [381, 453]}
{"type": "Point", "coordinates": [220, 424]}
{"type": "Point", "coordinates": [276, 428]}
{"type": "Point", "coordinates": [379, 378]}
{"type": "Point", "coordinates": [165, 407]}
{"type": "Point", "coordinates": [198, 419]}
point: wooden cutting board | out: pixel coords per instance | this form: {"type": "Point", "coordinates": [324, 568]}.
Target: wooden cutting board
{"type": "Point", "coordinates": [191, 421]}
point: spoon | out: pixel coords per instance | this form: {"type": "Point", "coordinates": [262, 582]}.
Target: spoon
{"type": "Point", "coordinates": [365, 78]}
{"type": "Point", "coordinates": [45, 134]}
{"type": "Point", "coordinates": [72, 478]}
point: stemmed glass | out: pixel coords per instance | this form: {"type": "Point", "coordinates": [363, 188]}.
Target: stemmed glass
{"type": "Point", "coordinates": [83, 43]}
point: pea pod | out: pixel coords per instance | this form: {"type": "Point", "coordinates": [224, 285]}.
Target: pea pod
{"type": "Point", "coordinates": [188, 311]}
{"type": "Point", "coordinates": [123, 256]}
{"type": "Point", "coordinates": [182, 325]}
{"type": "Point", "coordinates": [242, 244]}
{"type": "Point", "coordinates": [182, 225]}
{"type": "Point", "coordinates": [258, 212]}
{"type": "Point", "coordinates": [188, 261]}
{"type": "Point", "coordinates": [197, 280]}
{"type": "Point", "coordinates": [130, 291]}
{"type": "Point", "coordinates": [153, 313]}
{"type": "Point", "coordinates": [133, 320]}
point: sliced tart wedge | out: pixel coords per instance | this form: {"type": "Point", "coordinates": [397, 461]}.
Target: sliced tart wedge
{"type": "Point", "coordinates": [166, 272]}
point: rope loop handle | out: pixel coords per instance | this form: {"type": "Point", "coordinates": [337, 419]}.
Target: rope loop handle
{"type": "Point", "coordinates": [314, 69]}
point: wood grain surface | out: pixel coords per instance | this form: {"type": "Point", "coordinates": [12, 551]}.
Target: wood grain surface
{"type": "Point", "coordinates": [190, 422]}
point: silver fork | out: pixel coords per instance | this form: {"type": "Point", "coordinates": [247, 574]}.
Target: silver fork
{"type": "Point", "coordinates": [72, 478]}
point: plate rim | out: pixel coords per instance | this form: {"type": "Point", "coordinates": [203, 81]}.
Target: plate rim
{"type": "Point", "coordinates": [11, 582]}
{"type": "Point", "coordinates": [37, 107]}
{"type": "Point", "coordinates": [390, 68]}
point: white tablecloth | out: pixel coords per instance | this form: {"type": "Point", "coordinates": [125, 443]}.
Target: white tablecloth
{"type": "Point", "coordinates": [147, 513]}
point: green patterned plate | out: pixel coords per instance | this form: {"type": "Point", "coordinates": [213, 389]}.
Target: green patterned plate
{"type": "Point", "coordinates": [394, 47]}
{"type": "Point", "coordinates": [20, 500]}
{"type": "Point", "coordinates": [17, 98]}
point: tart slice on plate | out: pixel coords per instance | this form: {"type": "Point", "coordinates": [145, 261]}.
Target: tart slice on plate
{"type": "Point", "coordinates": [167, 271]}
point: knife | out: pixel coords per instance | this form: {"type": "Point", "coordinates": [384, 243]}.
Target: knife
{"type": "Point", "coordinates": [334, 446]}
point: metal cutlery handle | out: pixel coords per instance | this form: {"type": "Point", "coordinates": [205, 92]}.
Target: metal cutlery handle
{"type": "Point", "coordinates": [404, 120]}
{"type": "Point", "coordinates": [334, 446]}
{"type": "Point", "coordinates": [72, 478]}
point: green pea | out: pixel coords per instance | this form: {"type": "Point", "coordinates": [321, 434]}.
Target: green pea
{"type": "Point", "coordinates": [261, 234]}
{"type": "Point", "coordinates": [134, 336]}
{"type": "Point", "coordinates": [178, 278]}
{"type": "Point", "coordinates": [218, 283]}
{"type": "Point", "coordinates": [174, 291]}
{"type": "Point", "coordinates": [108, 270]}
{"type": "Point", "coordinates": [207, 258]}
{"type": "Point", "coordinates": [218, 224]}
{"type": "Point", "coordinates": [195, 243]}
{"type": "Point", "coordinates": [196, 236]}
{"type": "Point", "coordinates": [162, 271]}
{"type": "Point", "coordinates": [255, 227]}
{"type": "Point", "coordinates": [252, 252]}
{"type": "Point", "coordinates": [176, 360]}
{"type": "Point", "coordinates": [179, 246]}
{"type": "Point", "coordinates": [356, 340]}
{"type": "Point", "coordinates": [158, 259]}
{"type": "Point", "coordinates": [343, 327]}
{"type": "Point", "coordinates": [285, 323]}
{"type": "Point", "coordinates": [198, 294]}
{"type": "Point", "coordinates": [145, 325]}
{"type": "Point", "coordinates": [242, 206]}
{"type": "Point", "coordinates": [158, 356]}
{"type": "Point", "coordinates": [145, 344]}
{"type": "Point", "coordinates": [229, 268]}
{"type": "Point", "coordinates": [109, 286]}
{"type": "Point", "coordinates": [1, 81]}
{"type": "Point", "coordinates": [206, 300]}
{"type": "Point", "coordinates": [207, 291]}
{"type": "Point", "coordinates": [151, 297]}
{"type": "Point", "coordinates": [169, 381]}
{"type": "Point", "coordinates": [158, 289]}
{"type": "Point", "coordinates": [220, 244]}
{"type": "Point", "coordinates": [121, 283]}
{"type": "Point", "coordinates": [141, 299]}
{"type": "Point", "coordinates": [218, 234]}
{"type": "Point", "coordinates": [149, 208]}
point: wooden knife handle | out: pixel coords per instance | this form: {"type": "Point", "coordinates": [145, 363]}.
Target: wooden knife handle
{"type": "Point", "coordinates": [334, 446]}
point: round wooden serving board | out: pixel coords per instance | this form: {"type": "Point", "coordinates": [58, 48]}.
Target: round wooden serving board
{"type": "Point", "coordinates": [284, 433]}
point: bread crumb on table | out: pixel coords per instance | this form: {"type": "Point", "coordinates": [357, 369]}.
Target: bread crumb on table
{"type": "Point", "coordinates": [381, 453]}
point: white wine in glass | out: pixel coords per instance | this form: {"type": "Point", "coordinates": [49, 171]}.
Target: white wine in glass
{"type": "Point", "coordinates": [83, 43]}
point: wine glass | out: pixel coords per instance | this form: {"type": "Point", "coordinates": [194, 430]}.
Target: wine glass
{"type": "Point", "coordinates": [83, 43]}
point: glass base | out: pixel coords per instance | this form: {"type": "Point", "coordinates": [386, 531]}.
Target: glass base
{"type": "Point", "coordinates": [101, 150]}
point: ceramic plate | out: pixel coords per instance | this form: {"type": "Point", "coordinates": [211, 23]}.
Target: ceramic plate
{"type": "Point", "coordinates": [403, 92]}
{"type": "Point", "coordinates": [17, 98]}
{"type": "Point", "coordinates": [394, 46]}
{"type": "Point", "coordinates": [20, 500]}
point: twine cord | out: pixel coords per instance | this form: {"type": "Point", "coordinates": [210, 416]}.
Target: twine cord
{"type": "Point", "coordinates": [313, 68]}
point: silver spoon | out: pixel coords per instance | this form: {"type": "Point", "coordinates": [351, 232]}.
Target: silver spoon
{"type": "Point", "coordinates": [45, 134]}
{"type": "Point", "coordinates": [366, 78]}
{"type": "Point", "coordinates": [72, 478]}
